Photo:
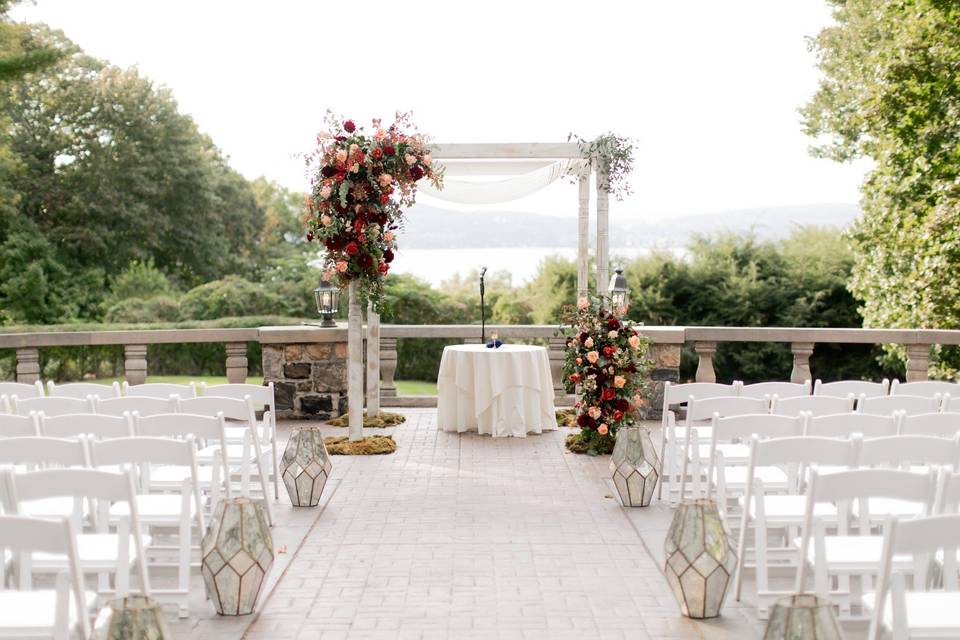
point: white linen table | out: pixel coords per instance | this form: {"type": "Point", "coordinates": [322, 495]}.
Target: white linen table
{"type": "Point", "coordinates": [502, 392]}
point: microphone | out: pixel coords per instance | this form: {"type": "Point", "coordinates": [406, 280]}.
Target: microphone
{"type": "Point", "coordinates": [483, 270]}
{"type": "Point", "coordinates": [483, 310]}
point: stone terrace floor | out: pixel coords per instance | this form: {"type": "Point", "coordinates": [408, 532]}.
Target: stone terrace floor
{"type": "Point", "coordinates": [465, 536]}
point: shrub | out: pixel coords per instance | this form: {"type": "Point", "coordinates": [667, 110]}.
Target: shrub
{"type": "Point", "coordinates": [231, 296]}
{"type": "Point", "coordinates": [157, 309]}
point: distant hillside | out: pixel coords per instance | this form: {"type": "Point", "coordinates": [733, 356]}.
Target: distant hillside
{"type": "Point", "coordinates": [431, 227]}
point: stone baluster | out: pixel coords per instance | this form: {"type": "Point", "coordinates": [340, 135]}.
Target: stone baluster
{"type": "Point", "coordinates": [706, 351]}
{"type": "Point", "coordinates": [918, 362]}
{"type": "Point", "coordinates": [557, 351]}
{"type": "Point", "coordinates": [135, 363]}
{"type": "Point", "coordinates": [388, 367]}
{"type": "Point", "coordinates": [801, 361]}
{"type": "Point", "coordinates": [28, 365]}
{"type": "Point", "coordinates": [236, 362]}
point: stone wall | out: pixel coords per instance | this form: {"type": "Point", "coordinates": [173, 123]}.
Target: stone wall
{"type": "Point", "coordinates": [666, 358]}
{"type": "Point", "coordinates": [310, 379]}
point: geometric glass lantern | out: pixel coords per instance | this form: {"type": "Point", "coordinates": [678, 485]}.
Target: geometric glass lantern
{"type": "Point", "coordinates": [635, 466]}
{"type": "Point", "coordinates": [327, 298]}
{"type": "Point", "coordinates": [305, 467]}
{"type": "Point", "coordinates": [237, 553]}
{"type": "Point", "coordinates": [619, 292]}
{"type": "Point", "coordinates": [131, 618]}
{"type": "Point", "coordinates": [802, 617]}
{"type": "Point", "coordinates": [700, 558]}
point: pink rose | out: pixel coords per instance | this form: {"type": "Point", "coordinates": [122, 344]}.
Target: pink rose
{"type": "Point", "coordinates": [341, 265]}
{"type": "Point", "coordinates": [341, 155]}
{"type": "Point", "coordinates": [612, 335]}
{"type": "Point", "coordinates": [619, 382]}
{"type": "Point", "coordinates": [388, 236]}
{"type": "Point", "coordinates": [634, 341]}
{"type": "Point", "coordinates": [427, 159]}
{"type": "Point", "coordinates": [411, 159]}
{"type": "Point", "coordinates": [326, 220]}
{"type": "Point", "coordinates": [594, 412]}
{"type": "Point", "coordinates": [603, 429]}
{"type": "Point", "coordinates": [583, 303]}
{"type": "Point", "coordinates": [593, 356]}
{"type": "Point", "coordinates": [325, 192]}
{"type": "Point", "coordinates": [385, 179]}
{"type": "Point", "coordinates": [588, 343]}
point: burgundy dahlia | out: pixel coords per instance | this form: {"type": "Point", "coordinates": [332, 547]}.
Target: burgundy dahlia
{"type": "Point", "coordinates": [416, 172]}
{"type": "Point", "coordinates": [349, 127]}
{"type": "Point", "coordinates": [388, 256]}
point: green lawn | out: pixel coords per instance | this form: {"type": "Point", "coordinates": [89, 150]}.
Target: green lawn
{"type": "Point", "coordinates": [404, 387]}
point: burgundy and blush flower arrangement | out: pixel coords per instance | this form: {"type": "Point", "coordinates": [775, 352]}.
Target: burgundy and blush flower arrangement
{"type": "Point", "coordinates": [606, 361]}
{"type": "Point", "coordinates": [359, 185]}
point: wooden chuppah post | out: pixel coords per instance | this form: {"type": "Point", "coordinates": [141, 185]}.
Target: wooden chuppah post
{"type": "Point", "coordinates": [355, 364]}
{"type": "Point", "coordinates": [583, 234]}
{"type": "Point", "coordinates": [603, 232]}
{"type": "Point", "coordinates": [373, 362]}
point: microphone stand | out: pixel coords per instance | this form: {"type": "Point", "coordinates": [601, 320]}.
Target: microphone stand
{"type": "Point", "coordinates": [483, 310]}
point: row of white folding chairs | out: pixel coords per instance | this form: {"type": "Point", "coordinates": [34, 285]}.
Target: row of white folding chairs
{"type": "Point", "coordinates": [115, 390]}
{"type": "Point", "coordinates": [770, 489]}
{"type": "Point", "coordinates": [675, 457]}
{"type": "Point", "coordinates": [109, 537]}
{"type": "Point", "coordinates": [169, 484]}
{"type": "Point", "coordinates": [208, 404]}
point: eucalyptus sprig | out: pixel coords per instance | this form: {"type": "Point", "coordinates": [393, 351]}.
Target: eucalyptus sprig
{"type": "Point", "coordinates": [614, 157]}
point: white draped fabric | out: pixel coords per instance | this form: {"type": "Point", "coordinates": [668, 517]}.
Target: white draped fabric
{"type": "Point", "coordinates": [502, 392]}
{"type": "Point", "coordinates": [501, 190]}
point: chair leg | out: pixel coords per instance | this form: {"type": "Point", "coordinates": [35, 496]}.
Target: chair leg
{"type": "Point", "coordinates": [266, 492]}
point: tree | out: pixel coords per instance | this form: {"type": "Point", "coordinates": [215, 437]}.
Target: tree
{"type": "Point", "coordinates": [21, 54]}
{"type": "Point", "coordinates": [111, 172]}
{"type": "Point", "coordinates": [891, 92]}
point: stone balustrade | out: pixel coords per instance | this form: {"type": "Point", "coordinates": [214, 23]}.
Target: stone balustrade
{"type": "Point", "coordinates": [307, 364]}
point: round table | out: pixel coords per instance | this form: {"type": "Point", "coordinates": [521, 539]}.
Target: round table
{"type": "Point", "coordinates": [502, 392]}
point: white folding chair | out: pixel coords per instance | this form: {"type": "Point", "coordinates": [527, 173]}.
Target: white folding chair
{"type": "Point", "coordinates": [35, 452]}
{"type": "Point", "coordinates": [703, 409]}
{"type": "Point", "coordinates": [267, 429]}
{"type": "Point", "coordinates": [99, 426]}
{"type": "Point", "coordinates": [908, 405]}
{"type": "Point", "coordinates": [843, 388]}
{"type": "Point", "coordinates": [843, 425]}
{"type": "Point", "coordinates": [811, 405]}
{"type": "Point", "coordinates": [22, 389]}
{"type": "Point", "coordinates": [143, 405]}
{"type": "Point", "coordinates": [777, 511]}
{"type": "Point", "coordinates": [165, 511]}
{"type": "Point", "coordinates": [160, 390]}
{"type": "Point", "coordinates": [51, 406]}
{"type": "Point", "coordinates": [12, 426]}
{"type": "Point", "coordinates": [728, 454]}
{"type": "Point", "coordinates": [673, 395]}
{"type": "Point", "coordinates": [248, 456]}
{"type": "Point", "coordinates": [924, 388]}
{"type": "Point", "coordinates": [948, 494]}
{"type": "Point", "coordinates": [770, 389]}
{"type": "Point", "coordinates": [921, 612]}
{"type": "Point", "coordinates": [82, 390]}
{"type": "Point", "coordinates": [918, 453]}
{"type": "Point", "coordinates": [61, 612]}
{"type": "Point", "coordinates": [100, 551]}
{"type": "Point", "coordinates": [950, 404]}
{"type": "Point", "coordinates": [945, 425]}
{"type": "Point", "coordinates": [213, 470]}
{"type": "Point", "coordinates": [844, 555]}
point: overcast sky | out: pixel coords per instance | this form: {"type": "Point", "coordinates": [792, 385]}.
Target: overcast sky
{"type": "Point", "coordinates": [709, 89]}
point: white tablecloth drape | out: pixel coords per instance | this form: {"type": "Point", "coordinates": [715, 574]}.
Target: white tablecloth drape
{"type": "Point", "coordinates": [501, 392]}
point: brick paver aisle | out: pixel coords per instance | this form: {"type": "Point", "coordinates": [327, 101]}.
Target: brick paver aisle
{"type": "Point", "coordinates": [471, 537]}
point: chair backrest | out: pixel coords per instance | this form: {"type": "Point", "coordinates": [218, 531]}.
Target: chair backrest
{"type": "Point", "coordinates": [12, 426]}
{"type": "Point", "coordinates": [142, 449]}
{"type": "Point", "coordinates": [903, 451]}
{"type": "Point", "coordinates": [82, 390]}
{"type": "Point", "coordinates": [910, 405]}
{"type": "Point", "coordinates": [780, 389]}
{"type": "Point", "coordinates": [948, 493]}
{"type": "Point", "coordinates": [24, 535]}
{"type": "Point", "coordinates": [21, 389]}
{"type": "Point", "coordinates": [950, 404]}
{"type": "Point", "coordinates": [812, 405]}
{"type": "Point", "coordinates": [180, 425]}
{"type": "Point", "coordinates": [51, 406]}
{"type": "Point", "coordinates": [921, 538]}
{"type": "Point", "coordinates": [97, 425]}
{"type": "Point", "coordinates": [806, 450]}
{"type": "Point", "coordinates": [945, 425]}
{"type": "Point", "coordinates": [764, 425]}
{"type": "Point", "coordinates": [260, 394]}
{"type": "Point", "coordinates": [680, 393]}
{"type": "Point", "coordinates": [37, 450]}
{"type": "Point", "coordinates": [231, 408]}
{"type": "Point", "coordinates": [925, 388]}
{"type": "Point", "coordinates": [843, 388]}
{"type": "Point", "coordinates": [160, 390]}
{"type": "Point", "coordinates": [858, 484]}
{"type": "Point", "coordinates": [143, 405]}
{"type": "Point", "coordinates": [704, 408]}
{"type": "Point", "coordinates": [843, 425]}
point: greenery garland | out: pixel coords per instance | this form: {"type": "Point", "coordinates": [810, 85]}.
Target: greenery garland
{"type": "Point", "coordinates": [614, 157]}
